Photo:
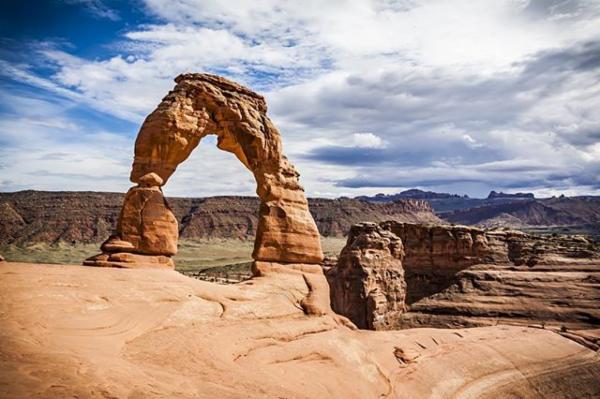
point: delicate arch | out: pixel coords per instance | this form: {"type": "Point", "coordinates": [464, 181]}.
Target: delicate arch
{"type": "Point", "coordinates": [202, 104]}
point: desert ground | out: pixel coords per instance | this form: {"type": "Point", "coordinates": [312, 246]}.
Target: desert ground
{"type": "Point", "coordinates": [193, 254]}
{"type": "Point", "coordinates": [74, 331]}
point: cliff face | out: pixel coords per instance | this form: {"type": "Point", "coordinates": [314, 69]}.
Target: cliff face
{"type": "Point", "coordinates": [89, 217]}
{"type": "Point", "coordinates": [367, 285]}
{"type": "Point", "coordinates": [335, 217]}
{"type": "Point", "coordinates": [35, 216]}
{"type": "Point", "coordinates": [464, 276]}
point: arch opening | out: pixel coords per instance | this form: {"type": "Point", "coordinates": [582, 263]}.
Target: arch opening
{"type": "Point", "coordinates": [217, 210]}
{"type": "Point", "coordinates": [199, 105]}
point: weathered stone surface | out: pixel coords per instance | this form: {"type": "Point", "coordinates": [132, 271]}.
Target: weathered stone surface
{"type": "Point", "coordinates": [316, 302]}
{"type": "Point", "coordinates": [434, 254]}
{"type": "Point", "coordinates": [130, 261]}
{"type": "Point", "coordinates": [204, 104]}
{"type": "Point", "coordinates": [553, 297]}
{"type": "Point", "coordinates": [150, 180]}
{"type": "Point", "coordinates": [462, 276]}
{"type": "Point", "coordinates": [73, 332]}
{"type": "Point", "coordinates": [199, 105]}
{"type": "Point", "coordinates": [368, 282]}
{"type": "Point", "coordinates": [147, 222]}
{"type": "Point", "coordinates": [147, 230]}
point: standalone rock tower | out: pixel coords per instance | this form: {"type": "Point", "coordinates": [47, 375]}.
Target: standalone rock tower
{"type": "Point", "coordinates": [199, 105]}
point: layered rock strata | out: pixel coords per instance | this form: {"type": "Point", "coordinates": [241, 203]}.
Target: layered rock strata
{"type": "Point", "coordinates": [368, 280]}
{"type": "Point", "coordinates": [200, 105]}
{"type": "Point", "coordinates": [464, 276]}
{"type": "Point", "coordinates": [28, 217]}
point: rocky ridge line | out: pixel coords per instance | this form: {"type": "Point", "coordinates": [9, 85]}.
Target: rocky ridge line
{"type": "Point", "coordinates": [28, 217]}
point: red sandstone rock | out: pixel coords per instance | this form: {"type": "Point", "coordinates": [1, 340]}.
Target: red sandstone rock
{"type": "Point", "coordinates": [73, 332]}
{"type": "Point", "coordinates": [204, 104]}
{"type": "Point", "coordinates": [199, 105]}
{"type": "Point", "coordinates": [463, 276]}
{"type": "Point", "coordinates": [130, 261]}
{"type": "Point", "coordinates": [368, 282]}
{"type": "Point", "coordinates": [147, 231]}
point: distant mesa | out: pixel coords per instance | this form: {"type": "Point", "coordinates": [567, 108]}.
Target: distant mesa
{"type": "Point", "coordinates": [415, 193]}
{"type": "Point", "coordinates": [410, 194]}
{"type": "Point", "coordinates": [501, 195]}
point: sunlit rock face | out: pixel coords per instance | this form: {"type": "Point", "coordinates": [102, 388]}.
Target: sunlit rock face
{"type": "Point", "coordinates": [367, 284]}
{"type": "Point", "coordinates": [402, 275]}
{"type": "Point", "coordinates": [199, 105]}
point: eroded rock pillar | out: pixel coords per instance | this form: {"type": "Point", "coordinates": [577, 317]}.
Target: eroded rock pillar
{"type": "Point", "coordinates": [367, 284]}
{"type": "Point", "coordinates": [147, 230]}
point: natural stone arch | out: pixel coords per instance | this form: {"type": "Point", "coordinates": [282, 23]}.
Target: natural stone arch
{"type": "Point", "coordinates": [199, 105]}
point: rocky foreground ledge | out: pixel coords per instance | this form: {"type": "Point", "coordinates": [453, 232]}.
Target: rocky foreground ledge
{"type": "Point", "coordinates": [70, 331]}
{"type": "Point", "coordinates": [394, 275]}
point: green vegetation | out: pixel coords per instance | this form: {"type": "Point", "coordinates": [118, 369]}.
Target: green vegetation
{"type": "Point", "coordinates": [61, 253]}
{"type": "Point", "coordinates": [193, 255]}
{"type": "Point", "coordinates": [201, 254]}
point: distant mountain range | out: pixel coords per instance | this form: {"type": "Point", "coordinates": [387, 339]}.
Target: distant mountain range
{"type": "Point", "coordinates": [501, 195]}
{"type": "Point", "coordinates": [520, 210]}
{"type": "Point", "coordinates": [87, 217]}
{"type": "Point", "coordinates": [411, 194]}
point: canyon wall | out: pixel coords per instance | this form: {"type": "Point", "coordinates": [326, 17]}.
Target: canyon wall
{"type": "Point", "coordinates": [29, 217]}
{"type": "Point", "coordinates": [464, 276]}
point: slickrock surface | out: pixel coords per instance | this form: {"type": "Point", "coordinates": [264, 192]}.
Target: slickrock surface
{"type": "Point", "coordinates": [28, 217]}
{"type": "Point", "coordinates": [464, 276]}
{"type": "Point", "coordinates": [70, 331]}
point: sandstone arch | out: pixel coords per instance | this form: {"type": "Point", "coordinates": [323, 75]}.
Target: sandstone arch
{"type": "Point", "coordinates": [199, 105]}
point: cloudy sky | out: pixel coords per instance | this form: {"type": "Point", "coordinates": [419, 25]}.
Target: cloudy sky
{"type": "Point", "coordinates": [370, 96]}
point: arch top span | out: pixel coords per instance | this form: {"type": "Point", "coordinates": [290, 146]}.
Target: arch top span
{"type": "Point", "coordinates": [202, 104]}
